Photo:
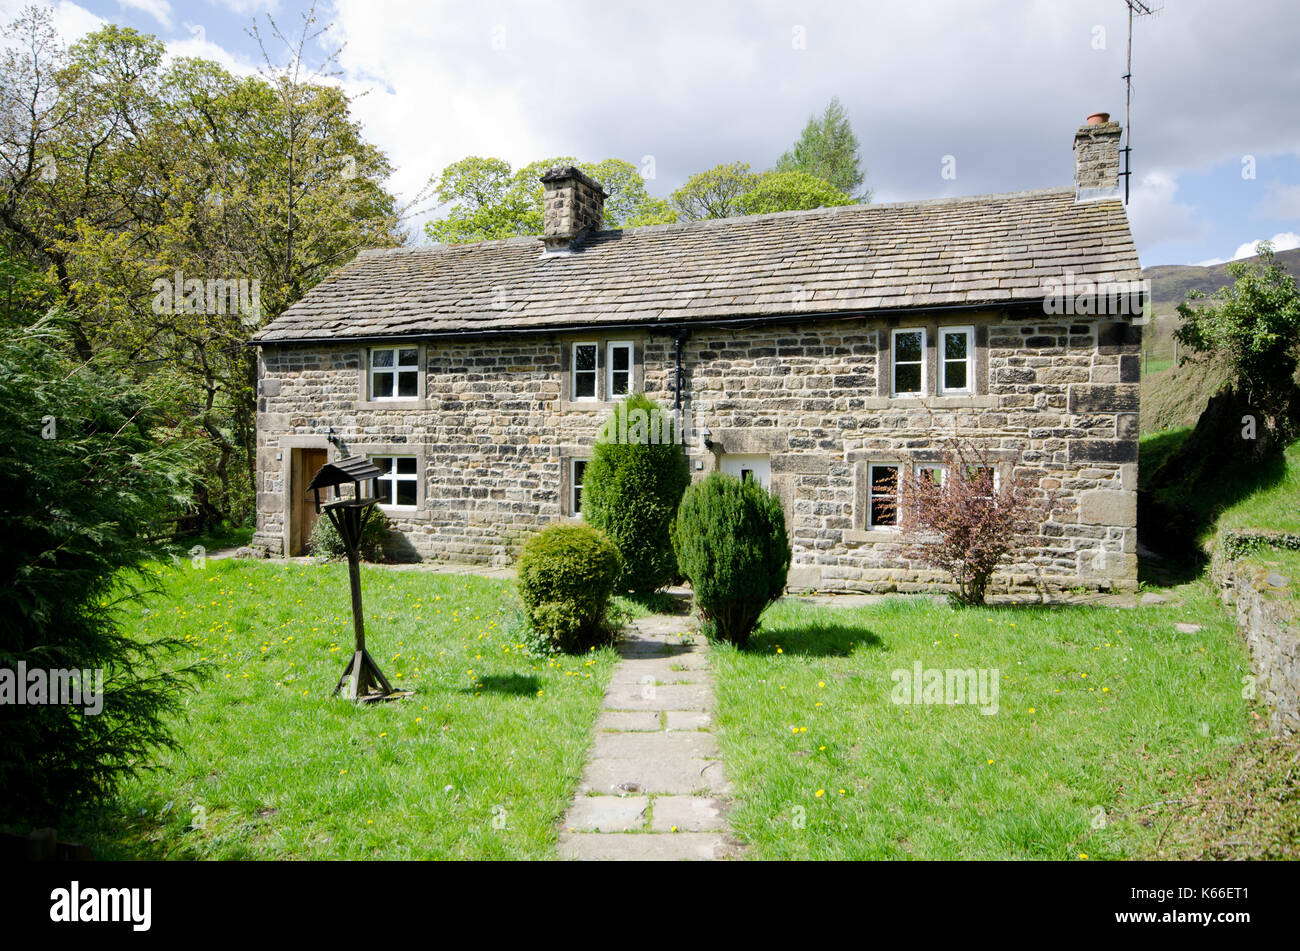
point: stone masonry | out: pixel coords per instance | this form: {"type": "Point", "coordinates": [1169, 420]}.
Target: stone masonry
{"type": "Point", "coordinates": [1056, 397]}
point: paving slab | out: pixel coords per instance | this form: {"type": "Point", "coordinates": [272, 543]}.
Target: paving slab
{"type": "Point", "coordinates": [688, 814]}
{"type": "Point", "coordinates": [689, 720]}
{"type": "Point", "coordinates": [661, 745]}
{"type": "Point", "coordinates": [653, 754]}
{"type": "Point", "coordinates": [629, 720]}
{"type": "Point", "coordinates": [607, 813]}
{"type": "Point", "coordinates": [646, 847]}
{"type": "Point", "coordinates": [657, 671]}
{"type": "Point", "coordinates": [676, 775]}
{"type": "Point", "coordinates": [667, 697]}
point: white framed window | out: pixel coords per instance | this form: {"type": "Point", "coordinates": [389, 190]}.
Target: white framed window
{"type": "Point", "coordinates": [957, 360]}
{"type": "Point", "coordinates": [907, 352]}
{"type": "Point", "coordinates": [577, 470]}
{"type": "Point", "coordinates": [399, 486]}
{"type": "Point", "coordinates": [932, 471]}
{"type": "Point", "coordinates": [584, 371]}
{"type": "Point", "coordinates": [988, 477]}
{"type": "Point", "coordinates": [394, 373]}
{"type": "Point", "coordinates": [618, 361]}
{"type": "Point", "coordinates": [882, 496]}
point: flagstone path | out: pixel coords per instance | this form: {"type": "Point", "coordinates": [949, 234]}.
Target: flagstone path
{"type": "Point", "coordinates": [654, 788]}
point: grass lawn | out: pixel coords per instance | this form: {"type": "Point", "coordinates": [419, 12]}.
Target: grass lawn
{"type": "Point", "coordinates": [479, 763]}
{"type": "Point", "coordinates": [1152, 365]}
{"type": "Point", "coordinates": [1273, 505]}
{"type": "Point", "coordinates": [1102, 712]}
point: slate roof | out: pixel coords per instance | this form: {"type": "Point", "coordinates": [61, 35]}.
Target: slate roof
{"type": "Point", "coordinates": [961, 251]}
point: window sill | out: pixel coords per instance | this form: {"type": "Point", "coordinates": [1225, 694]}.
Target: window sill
{"type": "Point", "coordinates": [871, 536]}
{"type": "Point", "coordinates": [581, 406]}
{"type": "Point", "coordinates": [414, 403]}
{"type": "Point", "coordinates": [932, 402]}
{"type": "Point", "coordinates": [419, 513]}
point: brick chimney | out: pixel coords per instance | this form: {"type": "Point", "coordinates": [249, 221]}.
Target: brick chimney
{"type": "Point", "coordinates": [573, 204]}
{"type": "Point", "coordinates": [1096, 159]}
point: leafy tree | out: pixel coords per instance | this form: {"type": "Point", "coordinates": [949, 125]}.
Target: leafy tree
{"type": "Point", "coordinates": [631, 488]}
{"type": "Point", "coordinates": [490, 200]}
{"type": "Point", "coordinates": [828, 149]}
{"type": "Point", "coordinates": [1253, 326]}
{"type": "Point", "coordinates": [487, 205]}
{"type": "Point", "coordinates": [716, 193]}
{"type": "Point", "coordinates": [790, 191]}
{"type": "Point", "coordinates": [120, 169]}
{"type": "Point", "coordinates": [87, 475]}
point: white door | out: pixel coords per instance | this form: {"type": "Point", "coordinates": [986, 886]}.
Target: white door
{"type": "Point", "coordinates": [758, 468]}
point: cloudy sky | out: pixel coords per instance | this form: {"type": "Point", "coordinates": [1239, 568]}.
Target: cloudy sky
{"type": "Point", "coordinates": [677, 87]}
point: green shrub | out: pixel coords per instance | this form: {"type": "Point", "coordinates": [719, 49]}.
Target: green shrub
{"type": "Point", "coordinates": [88, 475]}
{"type": "Point", "coordinates": [731, 544]}
{"type": "Point", "coordinates": [566, 577]}
{"type": "Point", "coordinates": [325, 538]}
{"type": "Point", "coordinates": [631, 488]}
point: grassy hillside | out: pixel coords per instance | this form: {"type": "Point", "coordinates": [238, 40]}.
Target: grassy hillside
{"type": "Point", "coordinates": [1171, 282]}
{"type": "Point", "coordinates": [1175, 396]}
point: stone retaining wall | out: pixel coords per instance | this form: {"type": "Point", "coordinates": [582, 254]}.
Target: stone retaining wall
{"type": "Point", "coordinates": [1268, 622]}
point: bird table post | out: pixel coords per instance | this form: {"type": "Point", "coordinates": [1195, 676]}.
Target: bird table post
{"type": "Point", "coordinates": [362, 677]}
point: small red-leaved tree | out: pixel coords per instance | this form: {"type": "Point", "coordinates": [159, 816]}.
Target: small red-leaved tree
{"type": "Point", "coordinates": [966, 516]}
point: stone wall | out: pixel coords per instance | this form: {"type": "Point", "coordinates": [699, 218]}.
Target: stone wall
{"type": "Point", "coordinates": [495, 428]}
{"type": "Point", "coordinates": [1269, 624]}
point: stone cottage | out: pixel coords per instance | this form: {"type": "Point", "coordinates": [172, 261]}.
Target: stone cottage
{"type": "Point", "coordinates": [822, 352]}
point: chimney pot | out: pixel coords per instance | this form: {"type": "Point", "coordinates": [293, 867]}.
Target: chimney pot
{"type": "Point", "coordinates": [573, 205]}
{"type": "Point", "coordinates": [1096, 159]}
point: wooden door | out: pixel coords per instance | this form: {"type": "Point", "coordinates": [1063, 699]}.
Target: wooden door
{"type": "Point", "coordinates": [307, 465]}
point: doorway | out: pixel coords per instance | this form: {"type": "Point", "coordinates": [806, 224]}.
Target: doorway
{"type": "Point", "coordinates": [747, 467]}
{"type": "Point", "coordinates": [305, 463]}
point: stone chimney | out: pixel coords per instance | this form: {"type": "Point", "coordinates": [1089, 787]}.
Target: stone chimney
{"type": "Point", "coordinates": [1096, 159]}
{"type": "Point", "coordinates": [573, 204]}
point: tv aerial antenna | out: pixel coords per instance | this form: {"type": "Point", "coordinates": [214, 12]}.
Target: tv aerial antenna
{"type": "Point", "coordinates": [1136, 8]}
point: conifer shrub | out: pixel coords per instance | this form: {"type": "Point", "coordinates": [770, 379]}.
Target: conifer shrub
{"type": "Point", "coordinates": [631, 488]}
{"type": "Point", "coordinates": [731, 545]}
{"type": "Point", "coordinates": [566, 577]}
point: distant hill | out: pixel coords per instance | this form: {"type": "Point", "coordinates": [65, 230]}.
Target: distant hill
{"type": "Point", "coordinates": [1171, 282]}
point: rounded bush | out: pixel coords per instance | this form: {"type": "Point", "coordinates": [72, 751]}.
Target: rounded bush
{"type": "Point", "coordinates": [633, 482]}
{"type": "Point", "coordinates": [325, 538]}
{"type": "Point", "coordinates": [731, 544]}
{"type": "Point", "coordinates": [566, 576]}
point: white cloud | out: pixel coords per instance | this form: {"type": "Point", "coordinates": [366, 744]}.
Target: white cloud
{"type": "Point", "coordinates": [244, 7]}
{"type": "Point", "coordinates": [696, 84]}
{"type": "Point", "coordinates": [1157, 216]}
{"type": "Point", "coordinates": [71, 21]}
{"type": "Point", "coordinates": [1282, 241]}
{"type": "Point", "coordinates": [199, 45]}
{"type": "Point", "coordinates": [160, 10]}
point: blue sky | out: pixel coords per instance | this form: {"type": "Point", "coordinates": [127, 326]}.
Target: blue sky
{"type": "Point", "coordinates": [998, 85]}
